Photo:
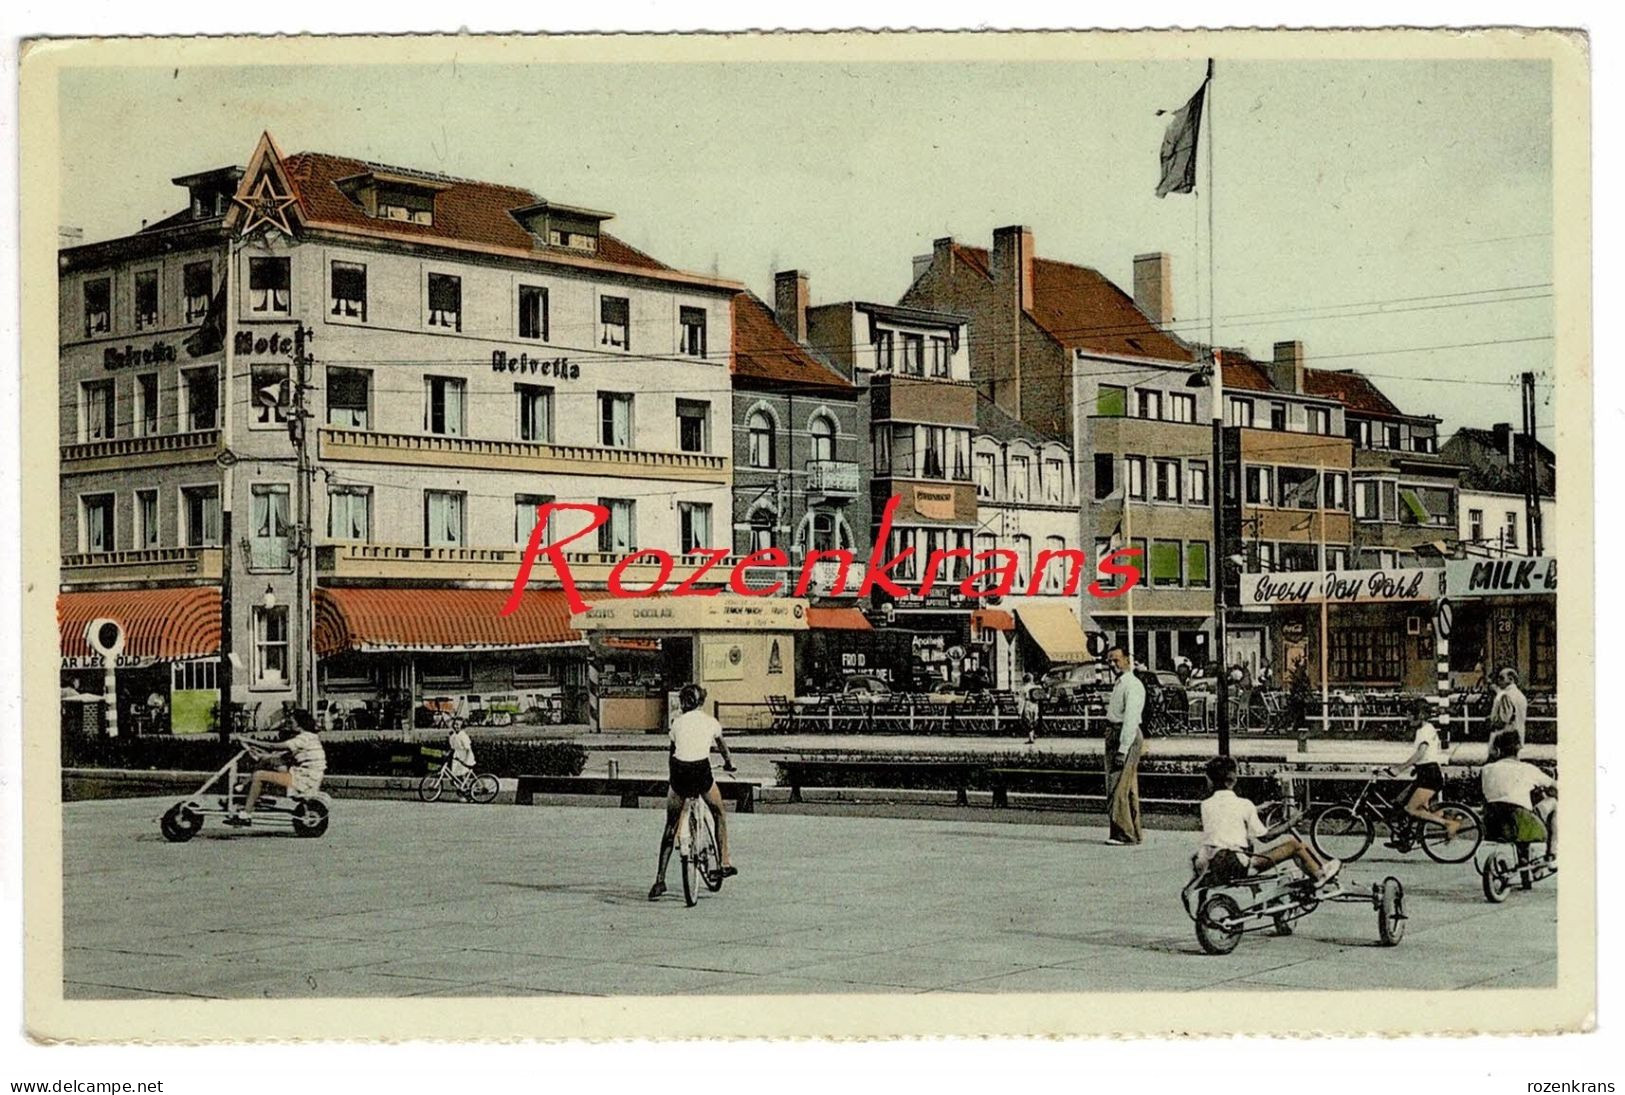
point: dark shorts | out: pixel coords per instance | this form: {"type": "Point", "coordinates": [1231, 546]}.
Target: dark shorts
{"type": "Point", "coordinates": [691, 777]}
{"type": "Point", "coordinates": [1227, 866]}
{"type": "Point", "coordinates": [1430, 777]}
{"type": "Point", "coordinates": [1506, 823]}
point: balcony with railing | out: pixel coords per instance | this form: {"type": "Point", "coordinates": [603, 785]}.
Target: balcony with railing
{"type": "Point", "coordinates": [833, 478]}
{"type": "Point", "coordinates": [389, 562]}
{"type": "Point", "coordinates": [177, 564]}
{"type": "Point", "coordinates": [125, 452]}
{"type": "Point", "coordinates": [367, 446]}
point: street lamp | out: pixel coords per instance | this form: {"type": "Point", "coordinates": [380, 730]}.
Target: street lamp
{"type": "Point", "coordinates": [1211, 374]}
{"type": "Point", "coordinates": [269, 600]}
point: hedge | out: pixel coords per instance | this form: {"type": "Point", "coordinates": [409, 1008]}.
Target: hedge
{"type": "Point", "coordinates": [354, 757]}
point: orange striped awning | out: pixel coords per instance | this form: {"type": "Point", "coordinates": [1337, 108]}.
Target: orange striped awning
{"type": "Point", "coordinates": [439, 619]}
{"type": "Point", "coordinates": [164, 624]}
{"type": "Point", "coordinates": [992, 619]}
{"type": "Point", "coordinates": [837, 619]}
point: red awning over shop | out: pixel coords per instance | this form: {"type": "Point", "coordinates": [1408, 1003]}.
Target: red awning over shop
{"type": "Point", "coordinates": [439, 619]}
{"type": "Point", "coordinates": [837, 619]}
{"type": "Point", "coordinates": [165, 624]}
{"type": "Point", "coordinates": [992, 619]}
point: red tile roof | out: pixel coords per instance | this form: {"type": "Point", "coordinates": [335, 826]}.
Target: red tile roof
{"type": "Point", "coordinates": [466, 212]}
{"type": "Point", "coordinates": [1242, 373]}
{"type": "Point", "coordinates": [158, 623]}
{"type": "Point", "coordinates": [762, 350]}
{"type": "Point", "coordinates": [1351, 389]}
{"type": "Point", "coordinates": [437, 619]}
{"type": "Point", "coordinates": [1082, 309]}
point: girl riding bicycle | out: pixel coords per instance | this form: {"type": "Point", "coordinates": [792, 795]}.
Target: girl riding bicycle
{"type": "Point", "coordinates": [693, 733]}
{"type": "Point", "coordinates": [1429, 777]}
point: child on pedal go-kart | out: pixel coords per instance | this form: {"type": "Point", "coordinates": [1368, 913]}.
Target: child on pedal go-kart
{"type": "Point", "coordinates": [1511, 813]}
{"type": "Point", "coordinates": [1234, 837]}
{"type": "Point", "coordinates": [301, 750]}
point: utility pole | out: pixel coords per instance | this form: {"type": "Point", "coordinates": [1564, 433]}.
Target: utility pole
{"type": "Point", "coordinates": [1531, 483]}
{"type": "Point", "coordinates": [304, 654]}
{"type": "Point", "coordinates": [1216, 489]}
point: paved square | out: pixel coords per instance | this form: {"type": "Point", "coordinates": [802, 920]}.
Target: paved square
{"type": "Point", "coordinates": [406, 899]}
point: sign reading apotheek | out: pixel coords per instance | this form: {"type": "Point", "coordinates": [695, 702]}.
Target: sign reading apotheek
{"type": "Point", "coordinates": [1501, 577]}
{"type": "Point", "coordinates": [1341, 586]}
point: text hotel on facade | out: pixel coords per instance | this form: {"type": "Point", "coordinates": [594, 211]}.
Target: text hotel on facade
{"type": "Point", "coordinates": [475, 351]}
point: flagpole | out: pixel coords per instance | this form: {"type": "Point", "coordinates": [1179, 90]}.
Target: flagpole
{"type": "Point", "coordinates": [1128, 537]}
{"type": "Point", "coordinates": [1217, 487]}
{"type": "Point", "coordinates": [1325, 607]}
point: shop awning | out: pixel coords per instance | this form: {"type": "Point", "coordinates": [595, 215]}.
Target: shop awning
{"type": "Point", "coordinates": [837, 619]}
{"type": "Point", "coordinates": [992, 619]}
{"type": "Point", "coordinates": [1056, 631]}
{"type": "Point", "coordinates": [162, 624]}
{"type": "Point", "coordinates": [373, 620]}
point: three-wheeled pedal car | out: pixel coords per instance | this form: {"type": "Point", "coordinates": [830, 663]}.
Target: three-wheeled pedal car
{"type": "Point", "coordinates": [226, 790]}
{"type": "Point", "coordinates": [1275, 899]}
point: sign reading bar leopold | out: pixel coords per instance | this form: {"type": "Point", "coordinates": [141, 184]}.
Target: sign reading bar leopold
{"type": "Point", "coordinates": [1342, 586]}
{"type": "Point", "coordinates": [719, 613]}
{"type": "Point", "coordinates": [1501, 577]}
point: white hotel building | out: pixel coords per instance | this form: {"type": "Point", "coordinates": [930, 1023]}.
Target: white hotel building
{"type": "Point", "coordinates": [471, 351]}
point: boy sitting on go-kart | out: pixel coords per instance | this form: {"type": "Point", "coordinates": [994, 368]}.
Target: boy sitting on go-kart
{"type": "Point", "coordinates": [1511, 814]}
{"type": "Point", "coordinates": [306, 764]}
{"type": "Point", "coordinates": [1231, 830]}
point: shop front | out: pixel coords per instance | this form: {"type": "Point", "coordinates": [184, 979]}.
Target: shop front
{"type": "Point", "coordinates": [1503, 612]}
{"type": "Point", "coordinates": [1047, 635]}
{"type": "Point", "coordinates": [165, 676]}
{"type": "Point", "coordinates": [392, 658]}
{"type": "Point", "coordinates": [1374, 627]}
{"type": "Point", "coordinates": [739, 649]}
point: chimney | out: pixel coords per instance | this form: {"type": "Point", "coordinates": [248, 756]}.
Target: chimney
{"type": "Point", "coordinates": [1505, 441]}
{"type": "Point", "coordinates": [790, 302]}
{"type": "Point", "coordinates": [1154, 286]}
{"type": "Point", "coordinates": [1013, 260]}
{"type": "Point", "coordinates": [1286, 371]}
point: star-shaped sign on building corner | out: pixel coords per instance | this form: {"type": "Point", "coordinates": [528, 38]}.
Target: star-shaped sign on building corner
{"type": "Point", "coordinates": [265, 206]}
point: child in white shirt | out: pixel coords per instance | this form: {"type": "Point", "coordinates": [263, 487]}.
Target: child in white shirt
{"type": "Point", "coordinates": [1231, 829]}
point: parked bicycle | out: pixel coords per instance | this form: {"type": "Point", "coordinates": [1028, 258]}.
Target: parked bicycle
{"type": "Point", "coordinates": [471, 785]}
{"type": "Point", "coordinates": [1346, 830]}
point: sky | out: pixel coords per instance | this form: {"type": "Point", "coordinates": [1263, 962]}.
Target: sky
{"type": "Point", "coordinates": [1395, 216]}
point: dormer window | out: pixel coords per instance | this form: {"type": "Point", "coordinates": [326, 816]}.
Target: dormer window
{"type": "Point", "coordinates": [400, 204]}
{"type": "Point", "coordinates": [575, 241]}
{"type": "Point", "coordinates": [389, 195]}
{"type": "Point", "coordinates": [566, 226]}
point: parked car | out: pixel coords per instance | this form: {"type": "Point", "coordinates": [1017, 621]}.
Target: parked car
{"type": "Point", "coordinates": [1067, 683]}
{"type": "Point", "coordinates": [864, 689]}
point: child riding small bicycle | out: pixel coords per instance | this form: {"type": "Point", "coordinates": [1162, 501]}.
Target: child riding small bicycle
{"type": "Point", "coordinates": [1234, 837]}
{"type": "Point", "coordinates": [693, 733]}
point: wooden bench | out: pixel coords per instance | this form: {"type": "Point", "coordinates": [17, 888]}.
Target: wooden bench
{"type": "Point", "coordinates": [627, 789]}
{"type": "Point", "coordinates": [893, 774]}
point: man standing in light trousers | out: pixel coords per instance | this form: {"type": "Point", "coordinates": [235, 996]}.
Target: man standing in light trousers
{"type": "Point", "coordinates": [1124, 743]}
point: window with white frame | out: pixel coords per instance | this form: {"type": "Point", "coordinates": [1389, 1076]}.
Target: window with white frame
{"type": "Point", "coordinates": [526, 507]}
{"type": "Point", "coordinates": [443, 405]}
{"type": "Point", "coordinates": [349, 513]}
{"type": "Point", "coordinates": [1278, 416]}
{"type": "Point", "coordinates": [146, 299]}
{"type": "Point", "coordinates": [1055, 481]}
{"type": "Point", "coordinates": [691, 325]}
{"type": "Point", "coordinates": [146, 520]}
{"type": "Point", "coordinates": [940, 356]}
{"type": "Point", "coordinates": [1475, 524]}
{"type": "Point", "coordinates": [1510, 530]}
{"type": "Point", "coordinates": [270, 646]}
{"type": "Point", "coordinates": [825, 531]}
{"type": "Point", "coordinates": [1165, 563]}
{"type": "Point", "coordinates": [202, 390]}
{"type": "Point", "coordinates": [269, 527]}
{"type": "Point", "coordinates": [268, 286]}
{"type": "Point", "coordinates": [1337, 490]}
{"type": "Point", "coordinates": [618, 535]}
{"type": "Point", "coordinates": [1023, 546]}
{"type": "Point", "coordinates": [197, 285]}
{"type": "Point", "coordinates": [1241, 412]}
{"type": "Point", "coordinates": [693, 425]}
{"type": "Point", "coordinates": [1320, 420]}
{"type": "Point", "coordinates": [986, 474]}
{"type": "Point", "coordinates": [1055, 570]}
{"type": "Point", "coordinates": [1390, 436]}
{"type": "Point", "coordinates": [1148, 403]}
{"type": "Point", "coordinates": [1134, 476]}
{"type": "Point", "coordinates": [905, 540]}
{"type": "Point", "coordinates": [762, 450]}
{"type": "Point", "coordinates": [615, 322]}
{"type": "Point", "coordinates": [1198, 483]}
{"type": "Point", "coordinates": [348, 392]}
{"type": "Point", "coordinates": [762, 533]}
{"type": "Point", "coordinates": [98, 400]}
{"type": "Point", "coordinates": [535, 412]}
{"type": "Point", "coordinates": [1367, 500]}
{"type": "Point", "coordinates": [96, 523]}
{"type": "Point", "coordinates": [1260, 485]}
{"type": "Point", "coordinates": [962, 443]}
{"type": "Point", "coordinates": [146, 405]}
{"type": "Point", "coordinates": [533, 317]}
{"type": "Point", "coordinates": [446, 301]}
{"type": "Point", "coordinates": [1337, 558]}
{"type": "Point", "coordinates": [1181, 407]}
{"type": "Point", "coordinates": [347, 284]}
{"type": "Point", "coordinates": [1165, 482]}
{"type": "Point", "coordinates": [821, 435]}
{"type": "Point", "coordinates": [1359, 431]}
{"type": "Point", "coordinates": [98, 307]}
{"type": "Point", "coordinates": [443, 518]}
{"type": "Point", "coordinates": [885, 344]}
{"type": "Point", "coordinates": [615, 420]}
{"type": "Point", "coordinates": [200, 516]}
{"type": "Point", "coordinates": [406, 204]}
{"type": "Point", "coordinates": [913, 354]}
{"type": "Point", "coordinates": [693, 526]}
{"type": "Point", "coordinates": [934, 442]}
{"type": "Point", "coordinates": [271, 397]}
{"type": "Point", "coordinates": [1021, 470]}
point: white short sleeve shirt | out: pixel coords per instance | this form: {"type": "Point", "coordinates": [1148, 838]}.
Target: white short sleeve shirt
{"type": "Point", "coordinates": [692, 733]}
{"type": "Point", "coordinates": [1229, 822]}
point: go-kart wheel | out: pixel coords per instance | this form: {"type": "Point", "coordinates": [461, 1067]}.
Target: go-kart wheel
{"type": "Point", "coordinates": [310, 818]}
{"type": "Point", "coordinates": [180, 823]}
{"type": "Point", "coordinates": [1283, 924]}
{"type": "Point", "coordinates": [484, 788]}
{"type": "Point", "coordinates": [1496, 876]}
{"type": "Point", "coordinates": [1218, 924]}
{"type": "Point", "coordinates": [1391, 912]}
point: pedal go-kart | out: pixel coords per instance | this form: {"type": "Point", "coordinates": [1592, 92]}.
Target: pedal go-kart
{"type": "Point", "coordinates": [1276, 898]}
{"type": "Point", "coordinates": [1506, 861]}
{"type": "Point", "coordinates": [306, 815]}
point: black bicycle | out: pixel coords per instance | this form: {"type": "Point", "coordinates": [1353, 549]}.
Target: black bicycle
{"type": "Point", "coordinates": [1346, 830]}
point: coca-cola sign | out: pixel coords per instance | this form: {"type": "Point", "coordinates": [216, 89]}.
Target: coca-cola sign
{"type": "Point", "coordinates": [1342, 586]}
